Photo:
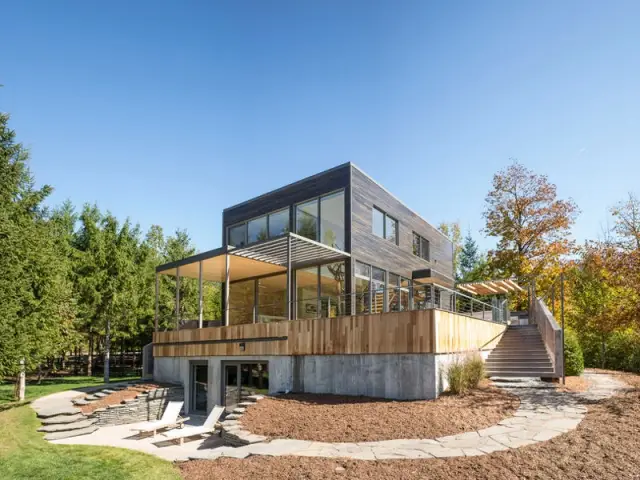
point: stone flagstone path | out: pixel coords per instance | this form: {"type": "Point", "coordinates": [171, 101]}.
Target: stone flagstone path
{"type": "Point", "coordinates": [544, 413]}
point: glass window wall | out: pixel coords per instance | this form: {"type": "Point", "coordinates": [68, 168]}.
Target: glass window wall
{"type": "Point", "coordinates": [257, 229]}
{"type": "Point", "coordinates": [363, 287]}
{"type": "Point", "coordinates": [377, 287]}
{"type": "Point", "coordinates": [332, 220]}
{"type": "Point", "coordinates": [238, 235]}
{"type": "Point", "coordinates": [391, 229]}
{"type": "Point", "coordinates": [332, 289]}
{"type": "Point", "coordinates": [394, 293]}
{"type": "Point", "coordinates": [241, 302]}
{"type": "Point", "coordinates": [307, 292]}
{"type": "Point", "coordinates": [378, 222]}
{"type": "Point", "coordinates": [307, 219]}
{"type": "Point", "coordinates": [278, 223]}
{"type": "Point", "coordinates": [272, 299]}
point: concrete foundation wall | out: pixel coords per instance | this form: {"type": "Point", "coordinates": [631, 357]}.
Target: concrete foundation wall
{"type": "Point", "coordinates": [395, 376]}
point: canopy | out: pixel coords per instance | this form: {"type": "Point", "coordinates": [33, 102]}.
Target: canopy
{"type": "Point", "coordinates": [490, 287]}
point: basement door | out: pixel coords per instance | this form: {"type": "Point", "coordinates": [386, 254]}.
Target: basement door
{"type": "Point", "coordinates": [242, 380]}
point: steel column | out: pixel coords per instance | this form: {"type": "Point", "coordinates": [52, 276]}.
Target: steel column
{"type": "Point", "coordinates": [226, 290]}
{"type": "Point", "coordinates": [178, 298]}
{"type": "Point", "coordinates": [157, 308]}
{"type": "Point", "coordinates": [200, 303]}
{"type": "Point", "coordinates": [289, 277]}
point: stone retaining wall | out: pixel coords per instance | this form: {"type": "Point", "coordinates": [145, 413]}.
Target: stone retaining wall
{"type": "Point", "coordinates": [146, 406]}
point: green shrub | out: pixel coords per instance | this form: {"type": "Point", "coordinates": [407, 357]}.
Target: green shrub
{"type": "Point", "coordinates": [455, 377]}
{"type": "Point", "coordinates": [622, 350]}
{"type": "Point", "coordinates": [473, 367]}
{"type": "Point", "coordinates": [465, 374]}
{"type": "Point", "coordinates": [573, 358]}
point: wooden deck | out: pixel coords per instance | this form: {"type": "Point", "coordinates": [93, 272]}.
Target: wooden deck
{"type": "Point", "coordinates": [422, 331]}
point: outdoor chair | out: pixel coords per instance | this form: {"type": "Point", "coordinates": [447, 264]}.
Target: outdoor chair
{"type": "Point", "coordinates": [208, 426]}
{"type": "Point", "coordinates": [170, 419]}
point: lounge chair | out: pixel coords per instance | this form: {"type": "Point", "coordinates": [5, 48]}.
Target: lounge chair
{"type": "Point", "coordinates": [208, 426]}
{"type": "Point", "coordinates": [170, 419]}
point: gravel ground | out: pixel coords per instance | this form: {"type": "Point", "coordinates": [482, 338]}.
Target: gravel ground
{"type": "Point", "coordinates": [118, 397]}
{"type": "Point", "coordinates": [605, 446]}
{"type": "Point", "coordinates": [332, 418]}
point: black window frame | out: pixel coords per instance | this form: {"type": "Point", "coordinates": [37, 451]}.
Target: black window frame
{"type": "Point", "coordinates": [385, 218]}
{"type": "Point", "coordinates": [424, 247]}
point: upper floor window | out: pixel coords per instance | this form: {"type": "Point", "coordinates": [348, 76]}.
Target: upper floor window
{"type": "Point", "coordinates": [384, 225]}
{"type": "Point", "coordinates": [258, 229]}
{"type": "Point", "coordinates": [322, 220]}
{"type": "Point", "coordinates": [238, 235]}
{"type": "Point", "coordinates": [420, 246]}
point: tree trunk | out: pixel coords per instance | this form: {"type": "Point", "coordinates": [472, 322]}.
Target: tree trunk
{"type": "Point", "coordinates": [90, 355]}
{"type": "Point", "coordinates": [122, 357]}
{"type": "Point", "coordinates": [63, 362]}
{"type": "Point", "coordinates": [604, 353]}
{"type": "Point", "coordinates": [19, 390]}
{"type": "Point", "coordinates": [107, 350]}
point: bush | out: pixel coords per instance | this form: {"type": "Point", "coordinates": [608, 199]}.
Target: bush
{"type": "Point", "coordinates": [466, 374]}
{"type": "Point", "coordinates": [573, 358]}
{"type": "Point", "coordinates": [622, 350]}
{"type": "Point", "coordinates": [473, 367]}
{"type": "Point", "coordinates": [455, 377]}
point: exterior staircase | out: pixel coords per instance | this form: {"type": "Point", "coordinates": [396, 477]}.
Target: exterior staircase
{"type": "Point", "coordinates": [520, 353]}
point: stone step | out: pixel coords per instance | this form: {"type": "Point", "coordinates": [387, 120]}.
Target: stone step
{"type": "Point", "coordinates": [64, 427]}
{"type": "Point", "coordinates": [100, 394]}
{"type": "Point", "coordinates": [246, 404]}
{"type": "Point", "coordinates": [62, 419]}
{"type": "Point", "coordinates": [80, 402]}
{"type": "Point", "coordinates": [91, 398]}
{"type": "Point", "coordinates": [233, 416]}
{"type": "Point", "coordinates": [54, 411]}
{"type": "Point", "coordinates": [520, 374]}
{"type": "Point", "coordinates": [239, 410]}
{"type": "Point", "coordinates": [503, 363]}
{"type": "Point", "coordinates": [70, 433]}
{"type": "Point", "coordinates": [108, 391]}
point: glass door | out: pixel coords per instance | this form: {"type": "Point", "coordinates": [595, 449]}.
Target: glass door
{"type": "Point", "coordinates": [199, 374]}
{"type": "Point", "coordinates": [231, 387]}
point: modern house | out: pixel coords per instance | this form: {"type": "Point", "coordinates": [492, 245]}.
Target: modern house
{"type": "Point", "coordinates": [330, 285]}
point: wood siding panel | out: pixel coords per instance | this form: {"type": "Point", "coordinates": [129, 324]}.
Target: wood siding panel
{"type": "Point", "coordinates": [459, 333]}
{"type": "Point", "coordinates": [369, 248]}
{"type": "Point", "coordinates": [402, 332]}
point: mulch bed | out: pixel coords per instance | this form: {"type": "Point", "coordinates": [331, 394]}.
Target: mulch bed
{"type": "Point", "coordinates": [118, 397]}
{"type": "Point", "coordinates": [606, 445]}
{"type": "Point", "coordinates": [333, 418]}
{"type": "Point", "coordinates": [574, 384]}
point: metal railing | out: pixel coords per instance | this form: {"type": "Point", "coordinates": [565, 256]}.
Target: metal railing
{"type": "Point", "coordinates": [383, 300]}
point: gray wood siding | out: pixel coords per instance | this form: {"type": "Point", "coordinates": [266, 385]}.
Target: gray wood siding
{"type": "Point", "coordinates": [334, 179]}
{"type": "Point", "coordinates": [369, 248]}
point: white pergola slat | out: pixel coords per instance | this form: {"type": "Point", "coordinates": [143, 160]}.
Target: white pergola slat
{"type": "Point", "coordinates": [490, 287]}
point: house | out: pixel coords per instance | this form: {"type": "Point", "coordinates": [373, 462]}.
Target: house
{"type": "Point", "coordinates": [330, 285]}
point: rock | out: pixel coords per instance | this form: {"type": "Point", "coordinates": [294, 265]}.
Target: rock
{"type": "Point", "coordinates": [53, 411]}
{"type": "Point", "coordinates": [70, 433]}
{"type": "Point", "coordinates": [63, 427]}
{"type": "Point", "coordinates": [340, 469]}
{"type": "Point", "coordinates": [62, 419]}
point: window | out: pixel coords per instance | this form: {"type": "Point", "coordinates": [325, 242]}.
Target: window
{"type": "Point", "coordinates": [332, 298]}
{"type": "Point", "coordinates": [238, 235]}
{"type": "Point", "coordinates": [377, 286]}
{"type": "Point", "coordinates": [384, 226]}
{"type": "Point", "coordinates": [272, 298]}
{"type": "Point", "coordinates": [393, 293]}
{"type": "Point", "coordinates": [378, 222]}
{"type": "Point", "coordinates": [363, 287]}
{"type": "Point", "coordinates": [278, 223]}
{"type": "Point", "coordinates": [420, 246]}
{"type": "Point", "coordinates": [307, 219]}
{"type": "Point", "coordinates": [257, 229]}
{"type": "Point", "coordinates": [241, 302]}
{"type": "Point", "coordinates": [405, 293]}
{"type": "Point", "coordinates": [332, 220]}
{"type": "Point", "coordinates": [307, 292]}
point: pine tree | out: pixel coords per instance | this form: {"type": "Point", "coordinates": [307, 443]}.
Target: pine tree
{"type": "Point", "coordinates": [469, 258]}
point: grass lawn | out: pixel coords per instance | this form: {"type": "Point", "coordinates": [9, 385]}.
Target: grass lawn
{"type": "Point", "coordinates": [52, 385]}
{"type": "Point", "coordinates": [25, 455]}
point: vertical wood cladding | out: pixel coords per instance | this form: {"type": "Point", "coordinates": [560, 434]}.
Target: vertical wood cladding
{"type": "Point", "coordinates": [369, 248]}
{"type": "Point", "coordinates": [331, 180]}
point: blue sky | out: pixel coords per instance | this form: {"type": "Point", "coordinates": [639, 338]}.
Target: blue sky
{"type": "Point", "coordinates": [168, 112]}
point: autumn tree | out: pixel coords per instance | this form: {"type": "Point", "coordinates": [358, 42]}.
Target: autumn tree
{"type": "Point", "coordinates": [531, 223]}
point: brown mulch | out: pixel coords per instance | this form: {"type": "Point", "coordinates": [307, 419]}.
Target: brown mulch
{"type": "Point", "coordinates": [631, 379]}
{"type": "Point", "coordinates": [606, 445]}
{"type": "Point", "coordinates": [118, 397]}
{"type": "Point", "coordinates": [574, 384]}
{"type": "Point", "coordinates": [333, 418]}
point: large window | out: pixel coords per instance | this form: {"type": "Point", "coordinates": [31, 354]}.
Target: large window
{"type": "Point", "coordinates": [393, 293]}
{"type": "Point", "coordinates": [241, 302]}
{"type": "Point", "coordinates": [278, 223]}
{"type": "Point", "coordinates": [420, 246]}
{"type": "Point", "coordinates": [238, 235]}
{"type": "Point", "coordinates": [272, 298]}
{"type": "Point", "coordinates": [257, 229]}
{"type": "Point", "coordinates": [322, 220]}
{"type": "Point", "coordinates": [377, 286]}
{"type": "Point", "coordinates": [307, 219]}
{"type": "Point", "coordinates": [384, 225]}
{"type": "Point", "coordinates": [332, 220]}
{"type": "Point", "coordinates": [332, 290]}
{"type": "Point", "coordinates": [307, 292]}
{"type": "Point", "coordinates": [363, 287]}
